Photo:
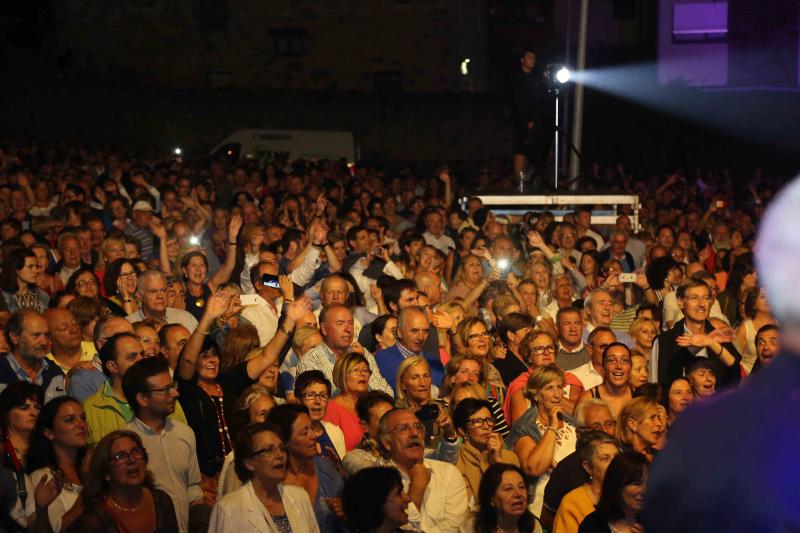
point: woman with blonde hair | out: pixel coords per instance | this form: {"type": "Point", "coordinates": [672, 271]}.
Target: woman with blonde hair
{"type": "Point", "coordinates": [468, 368]}
{"type": "Point", "coordinates": [541, 273]}
{"type": "Point", "coordinates": [643, 331]}
{"type": "Point", "coordinates": [455, 311]}
{"type": "Point", "coordinates": [416, 393]}
{"type": "Point", "coordinates": [468, 279]}
{"type": "Point", "coordinates": [546, 433]}
{"type": "Point", "coordinates": [462, 391]}
{"type": "Point", "coordinates": [538, 348]}
{"type": "Point", "coordinates": [473, 337]}
{"type": "Point", "coordinates": [640, 425]}
{"type": "Point", "coordinates": [305, 338]}
{"type": "Point", "coordinates": [351, 376]}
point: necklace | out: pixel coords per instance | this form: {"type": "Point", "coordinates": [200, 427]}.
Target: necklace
{"type": "Point", "coordinates": [121, 508]}
{"type": "Point", "coordinates": [499, 529]}
{"type": "Point", "coordinates": [222, 423]}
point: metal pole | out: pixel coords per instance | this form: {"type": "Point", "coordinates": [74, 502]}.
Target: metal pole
{"type": "Point", "coordinates": [577, 121]}
{"type": "Point", "coordinates": [555, 174]}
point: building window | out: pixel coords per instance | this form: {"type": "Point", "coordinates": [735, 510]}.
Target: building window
{"type": "Point", "coordinates": [289, 42]}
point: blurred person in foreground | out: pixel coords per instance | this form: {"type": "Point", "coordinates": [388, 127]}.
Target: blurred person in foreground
{"type": "Point", "coordinates": [760, 492]}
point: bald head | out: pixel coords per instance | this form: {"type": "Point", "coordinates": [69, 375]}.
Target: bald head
{"type": "Point", "coordinates": [412, 328]}
{"type": "Point", "coordinates": [431, 284]}
{"type": "Point", "coordinates": [63, 331]}
{"type": "Point", "coordinates": [108, 327]}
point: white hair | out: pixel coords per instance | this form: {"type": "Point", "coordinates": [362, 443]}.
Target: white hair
{"type": "Point", "coordinates": [778, 255]}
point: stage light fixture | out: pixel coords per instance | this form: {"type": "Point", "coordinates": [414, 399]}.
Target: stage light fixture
{"type": "Point", "coordinates": [563, 75]}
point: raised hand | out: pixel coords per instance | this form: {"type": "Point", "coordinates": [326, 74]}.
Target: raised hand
{"type": "Point", "coordinates": [287, 287]}
{"type": "Point", "coordinates": [534, 239]}
{"type": "Point", "coordinates": [217, 304]}
{"type": "Point", "coordinates": [298, 309]}
{"type": "Point", "coordinates": [723, 335]}
{"type": "Point", "coordinates": [320, 205]}
{"type": "Point", "coordinates": [234, 226]}
{"type": "Point", "coordinates": [697, 340]}
{"type": "Point", "coordinates": [158, 228]}
{"type": "Point", "coordinates": [442, 320]}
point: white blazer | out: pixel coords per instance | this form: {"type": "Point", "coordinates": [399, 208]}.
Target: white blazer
{"type": "Point", "coordinates": [241, 511]}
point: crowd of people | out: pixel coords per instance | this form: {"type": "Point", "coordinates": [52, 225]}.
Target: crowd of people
{"type": "Point", "coordinates": [310, 346]}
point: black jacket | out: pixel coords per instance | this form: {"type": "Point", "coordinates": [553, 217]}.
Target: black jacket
{"type": "Point", "coordinates": [672, 358]}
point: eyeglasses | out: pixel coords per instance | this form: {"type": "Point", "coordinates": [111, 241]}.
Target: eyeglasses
{"type": "Point", "coordinates": [481, 422]}
{"type": "Point", "coordinates": [128, 275]}
{"type": "Point", "coordinates": [695, 298]}
{"type": "Point", "coordinates": [543, 349]}
{"type": "Point", "coordinates": [166, 390]}
{"type": "Point", "coordinates": [120, 458]}
{"type": "Point", "coordinates": [474, 336]}
{"type": "Point", "coordinates": [608, 425]}
{"type": "Point", "coordinates": [312, 396]}
{"type": "Point", "coordinates": [270, 451]}
{"type": "Point", "coordinates": [362, 371]}
{"type": "Point", "coordinates": [622, 361]}
{"type": "Point", "coordinates": [87, 283]}
{"type": "Point", "coordinates": [405, 428]}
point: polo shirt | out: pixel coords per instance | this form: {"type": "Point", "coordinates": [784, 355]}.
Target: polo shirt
{"type": "Point", "coordinates": [106, 413]}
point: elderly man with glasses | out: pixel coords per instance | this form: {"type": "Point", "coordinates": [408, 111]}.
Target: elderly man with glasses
{"type": "Point", "coordinates": [694, 336]}
{"type": "Point", "coordinates": [437, 490]}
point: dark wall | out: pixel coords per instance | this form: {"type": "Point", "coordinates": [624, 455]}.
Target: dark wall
{"type": "Point", "coordinates": [388, 127]}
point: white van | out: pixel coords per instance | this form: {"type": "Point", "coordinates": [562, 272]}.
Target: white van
{"type": "Point", "coordinates": [267, 145]}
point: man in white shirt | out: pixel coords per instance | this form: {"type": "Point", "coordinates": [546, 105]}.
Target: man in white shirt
{"type": "Point", "coordinates": [434, 232]}
{"type": "Point", "coordinates": [359, 260]}
{"type": "Point", "coordinates": [264, 314]}
{"type": "Point", "coordinates": [171, 446]}
{"type": "Point", "coordinates": [437, 491]}
{"type": "Point", "coordinates": [151, 291]}
{"type": "Point", "coordinates": [69, 248]}
{"type": "Point", "coordinates": [591, 374]}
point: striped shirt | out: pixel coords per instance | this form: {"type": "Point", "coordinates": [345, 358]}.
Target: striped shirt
{"type": "Point", "coordinates": [322, 358]}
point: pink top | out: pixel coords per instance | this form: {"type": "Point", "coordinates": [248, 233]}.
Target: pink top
{"type": "Point", "coordinates": [347, 422]}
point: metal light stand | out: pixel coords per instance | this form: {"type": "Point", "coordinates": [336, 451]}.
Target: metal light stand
{"type": "Point", "coordinates": [555, 174]}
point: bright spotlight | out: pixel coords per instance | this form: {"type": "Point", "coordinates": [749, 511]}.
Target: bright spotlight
{"type": "Point", "coordinates": [563, 75]}
{"type": "Point", "coordinates": [465, 67]}
{"type": "Point", "coordinates": [177, 151]}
